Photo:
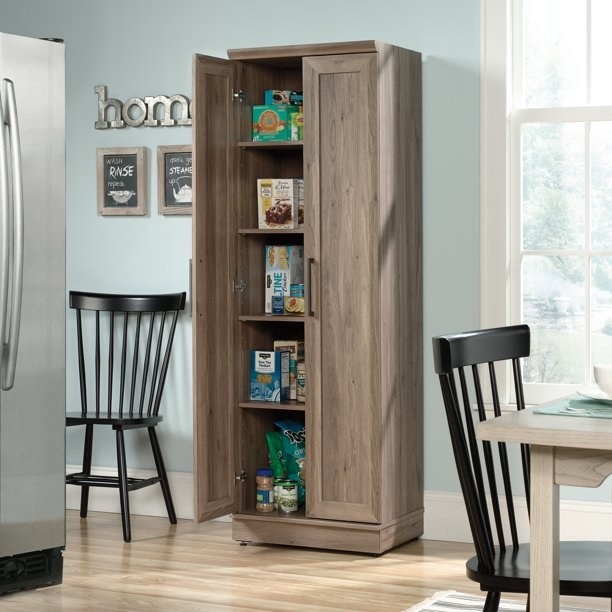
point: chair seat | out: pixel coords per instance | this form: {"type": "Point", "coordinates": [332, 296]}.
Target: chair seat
{"type": "Point", "coordinates": [585, 568]}
{"type": "Point", "coordinates": [124, 420]}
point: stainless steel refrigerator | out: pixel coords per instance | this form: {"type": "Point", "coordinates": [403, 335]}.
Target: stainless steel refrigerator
{"type": "Point", "coordinates": [32, 312]}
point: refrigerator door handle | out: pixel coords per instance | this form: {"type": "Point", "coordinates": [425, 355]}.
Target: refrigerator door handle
{"type": "Point", "coordinates": [9, 356]}
{"type": "Point", "coordinates": [4, 227]}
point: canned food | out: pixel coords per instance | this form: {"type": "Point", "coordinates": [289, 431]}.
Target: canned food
{"type": "Point", "coordinates": [288, 496]}
{"type": "Point", "coordinates": [277, 483]}
{"type": "Point", "coordinates": [278, 304]}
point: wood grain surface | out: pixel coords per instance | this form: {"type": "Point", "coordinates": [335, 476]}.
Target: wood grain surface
{"type": "Point", "coordinates": [175, 568]}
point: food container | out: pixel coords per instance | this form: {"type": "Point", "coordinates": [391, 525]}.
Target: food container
{"type": "Point", "coordinates": [301, 381]}
{"type": "Point", "coordinates": [272, 121]}
{"type": "Point", "coordinates": [264, 497]}
{"type": "Point", "coordinates": [288, 496]}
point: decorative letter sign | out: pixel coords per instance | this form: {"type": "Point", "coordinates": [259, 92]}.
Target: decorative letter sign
{"type": "Point", "coordinates": [136, 111]}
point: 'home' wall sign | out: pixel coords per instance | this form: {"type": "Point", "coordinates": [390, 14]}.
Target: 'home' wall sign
{"type": "Point", "coordinates": [136, 111]}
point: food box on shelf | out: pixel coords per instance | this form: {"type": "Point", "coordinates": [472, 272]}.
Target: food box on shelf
{"type": "Point", "coordinates": [283, 96]}
{"type": "Point", "coordinates": [269, 376]}
{"type": "Point", "coordinates": [284, 267]}
{"type": "Point", "coordinates": [272, 121]}
{"type": "Point", "coordinates": [278, 201]}
{"type": "Point", "coordinates": [296, 352]}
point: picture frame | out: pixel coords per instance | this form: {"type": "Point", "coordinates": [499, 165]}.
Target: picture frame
{"type": "Point", "coordinates": [174, 179]}
{"type": "Point", "coordinates": [122, 181]}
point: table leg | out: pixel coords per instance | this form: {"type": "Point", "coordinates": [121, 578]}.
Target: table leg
{"type": "Point", "coordinates": [544, 560]}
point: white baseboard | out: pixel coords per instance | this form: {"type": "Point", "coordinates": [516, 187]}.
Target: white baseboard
{"type": "Point", "coordinates": [445, 516]}
{"type": "Point", "coordinates": [148, 501]}
{"type": "Point", "coordinates": [446, 519]}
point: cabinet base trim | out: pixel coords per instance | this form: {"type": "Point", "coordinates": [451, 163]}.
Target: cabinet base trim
{"type": "Point", "coordinates": [331, 535]}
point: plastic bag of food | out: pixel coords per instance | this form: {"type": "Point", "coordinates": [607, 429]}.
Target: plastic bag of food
{"type": "Point", "coordinates": [275, 454]}
{"type": "Point", "coordinates": [293, 437]}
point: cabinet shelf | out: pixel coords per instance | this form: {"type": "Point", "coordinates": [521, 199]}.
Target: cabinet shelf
{"type": "Point", "coordinates": [266, 232]}
{"type": "Point", "coordinates": [268, 318]}
{"type": "Point", "coordinates": [275, 514]}
{"type": "Point", "coordinates": [271, 145]}
{"type": "Point", "coordinates": [290, 405]}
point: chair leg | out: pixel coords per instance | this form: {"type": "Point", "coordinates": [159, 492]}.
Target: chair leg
{"type": "Point", "coordinates": [492, 602]}
{"type": "Point", "coordinates": [87, 450]}
{"type": "Point", "coordinates": [123, 486]}
{"type": "Point", "coordinates": [161, 472]}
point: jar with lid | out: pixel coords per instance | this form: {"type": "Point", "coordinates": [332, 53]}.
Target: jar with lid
{"type": "Point", "coordinates": [264, 499]}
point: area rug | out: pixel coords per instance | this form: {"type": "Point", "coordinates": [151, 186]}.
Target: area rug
{"type": "Point", "coordinates": [452, 601]}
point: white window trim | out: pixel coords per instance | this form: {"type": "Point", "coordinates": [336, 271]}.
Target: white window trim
{"type": "Point", "coordinates": [496, 182]}
{"type": "Point", "coordinates": [494, 173]}
{"type": "Point", "coordinates": [494, 166]}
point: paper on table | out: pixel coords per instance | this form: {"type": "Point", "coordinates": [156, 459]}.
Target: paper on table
{"type": "Point", "coordinates": [577, 407]}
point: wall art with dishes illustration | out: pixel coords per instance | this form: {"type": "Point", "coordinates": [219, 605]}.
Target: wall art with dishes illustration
{"type": "Point", "coordinates": [174, 179]}
{"type": "Point", "coordinates": [122, 181]}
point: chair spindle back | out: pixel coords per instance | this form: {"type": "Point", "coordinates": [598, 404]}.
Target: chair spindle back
{"type": "Point", "coordinates": [466, 368]}
{"type": "Point", "coordinates": [124, 341]}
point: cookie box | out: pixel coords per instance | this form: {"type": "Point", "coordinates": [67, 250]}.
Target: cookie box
{"type": "Point", "coordinates": [272, 121]}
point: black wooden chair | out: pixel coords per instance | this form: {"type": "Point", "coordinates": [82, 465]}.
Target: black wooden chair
{"type": "Point", "coordinates": [124, 345]}
{"type": "Point", "coordinates": [467, 365]}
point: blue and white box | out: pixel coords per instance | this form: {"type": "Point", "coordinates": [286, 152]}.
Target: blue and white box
{"type": "Point", "coordinates": [284, 267]}
{"type": "Point", "coordinates": [270, 376]}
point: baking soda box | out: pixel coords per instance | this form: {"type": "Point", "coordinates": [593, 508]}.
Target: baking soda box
{"type": "Point", "coordinates": [278, 201]}
{"type": "Point", "coordinates": [269, 376]}
{"type": "Point", "coordinates": [284, 267]}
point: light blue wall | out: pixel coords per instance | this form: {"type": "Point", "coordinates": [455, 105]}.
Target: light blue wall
{"type": "Point", "coordinates": [140, 48]}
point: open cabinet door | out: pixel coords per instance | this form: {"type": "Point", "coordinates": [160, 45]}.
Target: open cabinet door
{"type": "Point", "coordinates": [214, 261]}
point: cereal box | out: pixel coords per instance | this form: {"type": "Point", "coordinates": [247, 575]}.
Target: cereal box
{"type": "Point", "coordinates": [284, 267]}
{"type": "Point", "coordinates": [269, 376]}
{"type": "Point", "coordinates": [272, 121]}
{"type": "Point", "coordinates": [278, 202]}
{"type": "Point", "coordinates": [296, 350]}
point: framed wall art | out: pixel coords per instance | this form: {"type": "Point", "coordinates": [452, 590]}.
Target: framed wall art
{"type": "Point", "coordinates": [122, 181]}
{"type": "Point", "coordinates": [174, 172]}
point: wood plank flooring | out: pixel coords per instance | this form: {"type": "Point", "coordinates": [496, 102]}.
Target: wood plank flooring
{"type": "Point", "coordinates": [175, 568]}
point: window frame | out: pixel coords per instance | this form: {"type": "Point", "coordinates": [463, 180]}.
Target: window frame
{"type": "Point", "coordinates": [500, 178]}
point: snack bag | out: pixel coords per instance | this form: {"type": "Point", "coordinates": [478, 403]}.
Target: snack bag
{"type": "Point", "coordinates": [293, 437]}
{"type": "Point", "coordinates": [275, 453]}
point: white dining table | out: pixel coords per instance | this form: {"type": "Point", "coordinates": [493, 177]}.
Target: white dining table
{"type": "Point", "coordinates": [565, 450]}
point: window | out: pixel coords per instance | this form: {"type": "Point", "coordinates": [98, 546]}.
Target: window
{"type": "Point", "coordinates": [547, 184]}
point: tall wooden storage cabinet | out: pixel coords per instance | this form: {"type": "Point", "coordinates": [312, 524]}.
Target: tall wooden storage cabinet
{"type": "Point", "coordinates": [362, 329]}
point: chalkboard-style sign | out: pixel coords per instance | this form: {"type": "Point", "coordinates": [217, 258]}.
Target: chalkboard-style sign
{"type": "Point", "coordinates": [122, 181]}
{"type": "Point", "coordinates": [174, 171]}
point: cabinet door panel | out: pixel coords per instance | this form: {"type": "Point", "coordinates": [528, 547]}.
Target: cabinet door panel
{"type": "Point", "coordinates": [343, 333]}
{"type": "Point", "coordinates": [215, 348]}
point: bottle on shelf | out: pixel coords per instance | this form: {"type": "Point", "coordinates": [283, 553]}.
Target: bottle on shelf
{"type": "Point", "coordinates": [264, 477]}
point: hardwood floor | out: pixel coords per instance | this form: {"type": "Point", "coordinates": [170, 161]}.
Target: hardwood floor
{"type": "Point", "coordinates": [175, 568]}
